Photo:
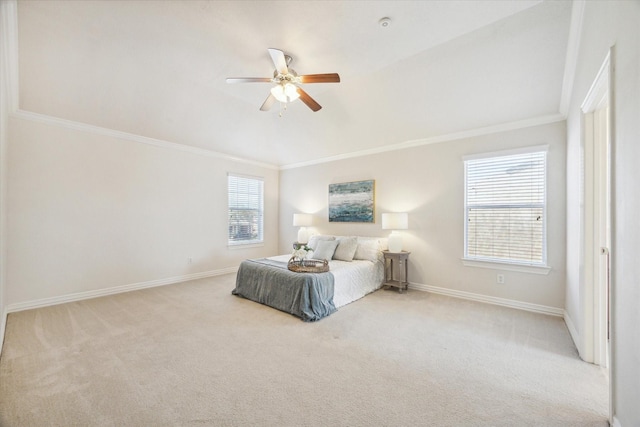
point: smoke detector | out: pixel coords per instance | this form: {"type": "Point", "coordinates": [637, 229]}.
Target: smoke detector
{"type": "Point", "coordinates": [384, 22]}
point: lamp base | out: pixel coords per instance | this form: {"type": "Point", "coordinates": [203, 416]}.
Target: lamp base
{"type": "Point", "coordinates": [395, 242]}
{"type": "Point", "coordinates": [303, 236]}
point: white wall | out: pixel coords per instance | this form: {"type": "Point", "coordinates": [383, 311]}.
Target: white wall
{"type": "Point", "coordinates": [428, 183]}
{"type": "Point", "coordinates": [7, 99]}
{"type": "Point", "coordinates": [89, 213]}
{"type": "Point", "coordinates": [608, 23]}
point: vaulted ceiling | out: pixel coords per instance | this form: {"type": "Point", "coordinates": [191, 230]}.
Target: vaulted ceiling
{"type": "Point", "coordinates": [158, 69]}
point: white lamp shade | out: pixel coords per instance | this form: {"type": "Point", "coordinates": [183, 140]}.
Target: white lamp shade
{"type": "Point", "coordinates": [302, 220]}
{"type": "Point", "coordinates": [395, 221]}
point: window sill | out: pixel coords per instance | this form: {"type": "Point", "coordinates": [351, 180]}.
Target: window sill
{"type": "Point", "coordinates": [496, 265]}
{"type": "Point", "coordinates": [233, 246]}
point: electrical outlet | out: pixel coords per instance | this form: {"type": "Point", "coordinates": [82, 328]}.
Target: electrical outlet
{"type": "Point", "coordinates": [500, 279]}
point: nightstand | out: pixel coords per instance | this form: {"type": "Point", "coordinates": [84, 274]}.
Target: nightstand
{"type": "Point", "coordinates": [396, 269]}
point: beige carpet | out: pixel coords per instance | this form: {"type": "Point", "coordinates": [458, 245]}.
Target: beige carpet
{"type": "Point", "coordinates": [192, 354]}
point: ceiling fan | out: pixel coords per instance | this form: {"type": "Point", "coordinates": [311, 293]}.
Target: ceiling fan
{"type": "Point", "coordinates": [286, 81]}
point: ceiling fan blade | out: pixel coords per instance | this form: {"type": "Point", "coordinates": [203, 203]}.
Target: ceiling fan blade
{"type": "Point", "coordinates": [320, 78]}
{"type": "Point", "coordinates": [249, 80]}
{"type": "Point", "coordinates": [311, 103]}
{"type": "Point", "coordinates": [277, 56]}
{"type": "Point", "coordinates": [266, 105]}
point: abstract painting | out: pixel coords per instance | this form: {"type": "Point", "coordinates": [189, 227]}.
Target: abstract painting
{"type": "Point", "coordinates": [352, 201]}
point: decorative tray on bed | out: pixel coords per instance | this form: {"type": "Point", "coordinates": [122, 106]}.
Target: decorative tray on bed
{"type": "Point", "coordinates": [308, 265]}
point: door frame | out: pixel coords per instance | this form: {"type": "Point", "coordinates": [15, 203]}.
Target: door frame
{"type": "Point", "coordinates": [597, 289]}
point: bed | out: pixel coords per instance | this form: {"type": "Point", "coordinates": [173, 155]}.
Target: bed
{"type": "Point", "coordinates": [312, 296]}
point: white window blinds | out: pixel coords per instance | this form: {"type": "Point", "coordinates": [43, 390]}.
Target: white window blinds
{"type": "Point", "coordinates": [246, 206]}
{"type": "Point", "coordinates": [505, 205]}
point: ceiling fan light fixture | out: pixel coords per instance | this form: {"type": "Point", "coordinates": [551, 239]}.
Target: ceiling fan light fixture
{"type": "Point", "coordinates": [286, 92]}
{"type": "Point", "coordinates": [286, 81]}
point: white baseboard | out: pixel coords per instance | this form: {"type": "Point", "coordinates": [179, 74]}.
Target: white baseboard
{"type": "Point", "coordinates": [572, 330]}
{"type": "Point", "coordinates": [616, 422]}
{"type": "Point", "coordinates": [45, 302]}
{"type": "Point", "coordinates": [536, 308]}
{"type": "Point", "coordinates": [3, 326]}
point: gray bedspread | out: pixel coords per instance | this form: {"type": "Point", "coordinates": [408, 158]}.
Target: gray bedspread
{"type": "Point", "coordinates": [308, 296]}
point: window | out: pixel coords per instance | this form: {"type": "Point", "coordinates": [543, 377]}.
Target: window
{"type": "Point", "coordinates": [505, 207]}
{"type": "Point", "coordinates": [246, 206]}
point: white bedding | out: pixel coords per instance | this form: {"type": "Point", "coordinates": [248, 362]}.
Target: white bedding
{"type": "Point", "coordinates": [353, 279]}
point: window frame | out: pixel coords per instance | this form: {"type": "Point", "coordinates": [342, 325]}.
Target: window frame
{"type": "Point", "coordinates": [507, 264]}
{"type": "Point", "coordinates": [255, 242]}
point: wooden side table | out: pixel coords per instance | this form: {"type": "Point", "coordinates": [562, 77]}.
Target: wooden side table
{"type": "Point", "coordinates": [396, 269]}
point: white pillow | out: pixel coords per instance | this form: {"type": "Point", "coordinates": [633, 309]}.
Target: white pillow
{"type": "Point", "coordinates": [325, 249]}
{"type": "Point", "coordinates": [313, 241]}
{"type": "Point", "coordinates": [368, 249]}
{"type": "Point", "coordinates": [346, 249]}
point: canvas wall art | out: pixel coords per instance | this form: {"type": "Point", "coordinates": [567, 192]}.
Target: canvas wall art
{"type": "Point", "coordinates": [352, 201]}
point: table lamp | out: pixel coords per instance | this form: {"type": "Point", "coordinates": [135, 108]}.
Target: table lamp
{"type": "Point", "coordinates": [394, 222]}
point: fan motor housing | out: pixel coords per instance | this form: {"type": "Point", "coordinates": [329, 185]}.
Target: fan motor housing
{"type": "Point", "coordinates": [291, 76]}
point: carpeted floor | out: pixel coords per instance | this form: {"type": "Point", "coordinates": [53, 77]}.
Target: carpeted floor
{"type": "Point", "coordinates": [191, 354]}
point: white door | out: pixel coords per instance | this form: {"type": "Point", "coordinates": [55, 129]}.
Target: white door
{"type": "Point", "coordinates": [602, 232]}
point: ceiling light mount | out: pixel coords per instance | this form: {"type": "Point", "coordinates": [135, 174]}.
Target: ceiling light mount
{"type": "Point", "coordinates": [385, 22]}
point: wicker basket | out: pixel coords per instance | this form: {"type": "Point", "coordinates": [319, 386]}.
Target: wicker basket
{"type": "Point", "coordinates": [308, 265]}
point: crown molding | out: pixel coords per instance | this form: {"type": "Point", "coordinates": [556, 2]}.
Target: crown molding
{"type": "Point", "coordinates": [83, 127]}
{"type": "Point", "coordinates": [571, 60]}
{"type": "Point", "coordinates": [96, 130]}
{"type": "Point", "coordinates": [487, 130]}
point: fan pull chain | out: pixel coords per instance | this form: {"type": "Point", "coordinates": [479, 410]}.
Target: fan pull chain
{"type": "Point", "coordinates": [283, 108]}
